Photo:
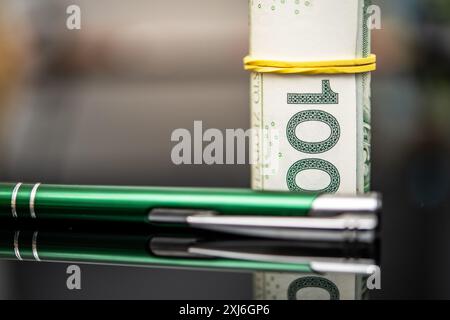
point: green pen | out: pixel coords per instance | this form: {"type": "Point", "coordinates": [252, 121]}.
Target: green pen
{"type": "Point", "coordinates": [242, 211]}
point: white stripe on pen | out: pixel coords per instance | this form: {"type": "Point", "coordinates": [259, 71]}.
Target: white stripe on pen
{"type": "Point", "coordinates": [34, 247]}
{"type": "Point", "coordinates": [32, 200]}
{"type": "Point", "coordinates": [16, 245]}
{"type": "Point", "coordinates": [13, 200]}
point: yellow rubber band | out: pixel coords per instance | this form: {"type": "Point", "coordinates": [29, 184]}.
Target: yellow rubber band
{"type": "Point", "coordinates": [359, 65]}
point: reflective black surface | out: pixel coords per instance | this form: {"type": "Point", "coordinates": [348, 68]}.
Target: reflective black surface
{"type": "Point", "coordinates": [92, 110]}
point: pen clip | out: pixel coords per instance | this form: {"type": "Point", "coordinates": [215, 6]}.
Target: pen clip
{"type": "Point", "coordinates": [344, 227]}
{"type": "Point", "coordinates": [322, 258]}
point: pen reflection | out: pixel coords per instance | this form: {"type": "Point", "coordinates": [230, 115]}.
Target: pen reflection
{"type": "Point", "coordinates": [182, 249]}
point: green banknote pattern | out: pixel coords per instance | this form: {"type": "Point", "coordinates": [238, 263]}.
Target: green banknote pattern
{"type": "Point", "coordinates": [313, 164]}
{"type": "Point", "coordinates": [313, 147]}
{"type": "Point", "coordinates": [364, 105]}
{"type": "Point", "coordinates": [313, 282]}
{"type": "Point", "coordinates": [327, 96]}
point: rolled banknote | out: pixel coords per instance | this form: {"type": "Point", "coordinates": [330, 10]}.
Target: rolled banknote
{"type": "Point", "coordinates": [321, 121]}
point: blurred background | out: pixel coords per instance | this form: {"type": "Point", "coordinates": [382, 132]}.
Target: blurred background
{"type": "Point", "coordinates": [98, 106]}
